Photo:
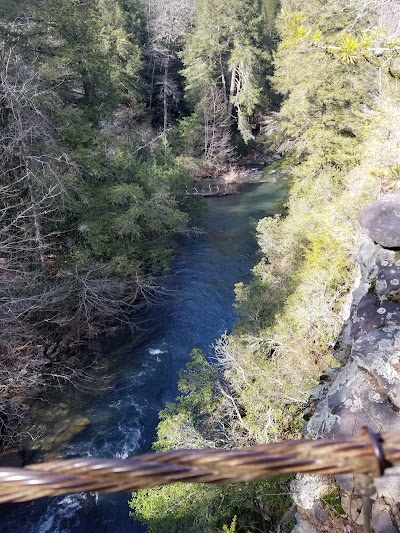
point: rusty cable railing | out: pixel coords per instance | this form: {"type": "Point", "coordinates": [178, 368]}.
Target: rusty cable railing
{"type": "Point", "coordinates": [368, 453]}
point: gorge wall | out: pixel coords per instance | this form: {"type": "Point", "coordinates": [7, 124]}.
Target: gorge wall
{"type": "Point", "coordinates": [365, 389]}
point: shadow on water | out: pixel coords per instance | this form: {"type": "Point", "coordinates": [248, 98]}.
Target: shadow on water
{"type": "Point", "coordinates": [122, 421]}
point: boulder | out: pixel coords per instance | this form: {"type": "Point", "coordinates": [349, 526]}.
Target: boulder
{"type": "Point", "coordinates": [364, 391]}
{"type": "Point", "coordinates": [381, 220]}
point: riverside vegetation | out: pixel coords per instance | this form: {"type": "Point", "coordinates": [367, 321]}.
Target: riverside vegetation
{"type": "Point", "coordinates": [336, 69]}
{"type": "Point", "coordinates": [107, 110]}
{"type": "Point", "coordinates": [90, 201]}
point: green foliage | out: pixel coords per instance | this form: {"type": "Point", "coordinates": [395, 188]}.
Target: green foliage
{"type": "Point", "coordinates": [348, 48]}
{"type": "Point", "coordinates": [271, 8]}
{"type": "Point", "coordinates": [137, 225]}
{"type": "Point", "coordinates": [228, 49]}
{"type": "Point", "coordinates": [395, 172]}
{"type": "Point", "coordinates": [106, 199]}
{"type": "Point", "coordinates": [331, 502]}
{"type": "Point", "coordinates": [325, 252]}
{"type": "Point", "coordinates": [337, 120]}
{"type": "Point", "coordinates": [373, 44]}
{"type": "Point", "coordinates": [231, 528]}
{"type": "Point", "coordinates": [186, 422]}
{"type": "Point", "coordinates": [9, 9]}
{"type": "Point", "coordinates": [322, 118]}
{"type": "Point", "coordinates": [291, 311]}
{"type": "Point", "coordinates": [197, 420]}
{"type": "Point", "coordinates": [190, 135]}
{"type": "Point", "coordinates": [190, 508]}
{"type": "Point", "coordinates": [91, 51]}
{"type": "Point", "coordinates": [94, 200]}
{"type": "Point", "coordinates": [292, 28]}
{"type": "Point", "coordinates": [129, 208]}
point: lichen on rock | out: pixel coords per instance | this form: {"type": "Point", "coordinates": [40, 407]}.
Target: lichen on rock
{"type": "Point", "coordinates": [365, 391]}
{"type": "Point", "coordinates": [381, 220]}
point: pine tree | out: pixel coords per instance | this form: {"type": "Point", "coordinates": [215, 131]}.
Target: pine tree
{"type": "Point", "coordinates": [228, 52]}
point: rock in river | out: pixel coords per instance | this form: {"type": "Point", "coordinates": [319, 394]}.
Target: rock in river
{"type": "Point", "coordinates": [381, 220]}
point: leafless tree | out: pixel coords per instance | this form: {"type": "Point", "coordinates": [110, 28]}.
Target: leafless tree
{"type": "Point", "coordinates": [43, 299]}
{"type": "Point", "coordinates": [218, 149]}
{"type": "Point", "coordinates": [386, 11]}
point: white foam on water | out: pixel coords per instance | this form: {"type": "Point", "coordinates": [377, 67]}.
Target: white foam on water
{"type": "Point", "coordinates": [156, 351]}
{"type": "Point", "coordinates": [130, 445]}
{"type": "Point", "coordinates": [47, 524]}
{"type": "Point", "coordinates": [60, 510]}
{"type": "Point", "coordinates": [126, 402]}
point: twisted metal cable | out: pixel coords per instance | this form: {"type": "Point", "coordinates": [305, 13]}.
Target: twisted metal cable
{"type": "Point", "coordinates": [367, 453]}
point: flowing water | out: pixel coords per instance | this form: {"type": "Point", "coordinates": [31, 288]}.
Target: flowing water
{"type": "Point", "coordinates": [199, 310]}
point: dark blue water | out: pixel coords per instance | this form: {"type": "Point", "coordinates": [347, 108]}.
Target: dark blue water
{"type": "Point", "coordinates": [198, 311]}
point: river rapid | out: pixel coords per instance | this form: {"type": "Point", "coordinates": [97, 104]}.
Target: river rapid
{"type": "Point", "coordinates": [198, 310]}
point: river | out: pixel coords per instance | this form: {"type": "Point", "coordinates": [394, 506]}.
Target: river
{"type": "Point", "coordinates": [198, 310]}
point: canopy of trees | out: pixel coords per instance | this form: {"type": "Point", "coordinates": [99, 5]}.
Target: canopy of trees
{"type": "Point", "coordinates": [107, 110]}
{"type": "Point", "coordinates": [97, 100]}
{"type": "Point", "coordinates": [335, 70]}
{"type": "Point", "coordinates": [91, 199]}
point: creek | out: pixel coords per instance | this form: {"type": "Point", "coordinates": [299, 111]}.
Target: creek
{"type": "Point", "coordinates": [122, 420]}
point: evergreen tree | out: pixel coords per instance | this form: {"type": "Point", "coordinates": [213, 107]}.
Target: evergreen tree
{"type": "Point", "coordinates": [167, 24]}
{"type": "Point", "coordinates": [227, 59]}
{"type": "Point", "coordinates": [91, 200]}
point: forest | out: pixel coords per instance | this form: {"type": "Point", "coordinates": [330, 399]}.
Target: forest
{"type": "Point", "coordinates": [110, 111]}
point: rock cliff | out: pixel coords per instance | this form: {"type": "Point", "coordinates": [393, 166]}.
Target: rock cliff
{"type": "Point", "coordinates": [365, 389]}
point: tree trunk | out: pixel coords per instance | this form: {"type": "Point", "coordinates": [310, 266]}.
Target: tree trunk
{"type": "Point", "coordinates": [223, 80]}
{"type": "Point", "coordinates": [232, 92]}
{"type": "Point", "coordinates": [38, 228]}
{"type": "Point", "coordinates": [88, 87]}
{"type": "Point", "coordinates": [152, 85]}
{"type": "Point", "coordinates": [4, 115]}
{"type": "Point", "coordinates": [165, 97]}
{"type": "Point", "coordinates": [205, 133]}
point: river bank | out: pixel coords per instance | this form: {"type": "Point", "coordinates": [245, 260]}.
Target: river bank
{"type": "Point", "coordinates": [122, 419]}
{"type": "Point", "coordinates": [231, 180]}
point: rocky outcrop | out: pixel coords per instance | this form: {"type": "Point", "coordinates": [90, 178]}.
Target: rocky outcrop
{"type": "Point", "coordinates": [381, 220]}
{"type": "Point", "coordinates": [365, 390]}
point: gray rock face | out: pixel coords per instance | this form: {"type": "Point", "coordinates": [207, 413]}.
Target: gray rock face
{"type": "Point", "coordinates": [366, 389]}
{"type": "Point", "coordinates": [381, 220]}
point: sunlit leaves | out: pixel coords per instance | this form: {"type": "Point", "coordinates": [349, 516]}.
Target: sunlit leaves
{"type": "Point", "coordinates": [292, 28]}
{"type": "Point", "coordinates": [316, 36]}
{"type": "Point", "coordinates": [348, 47]}
{"type": "Point", "coordinates": [395, 172]}
{"type": "Point", "coordinates": [228, 52]}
